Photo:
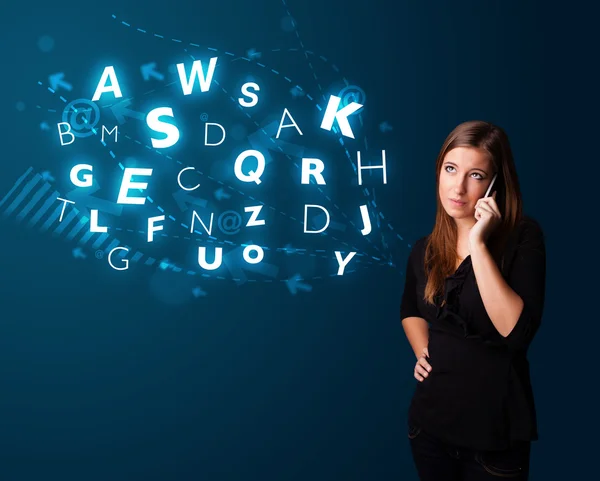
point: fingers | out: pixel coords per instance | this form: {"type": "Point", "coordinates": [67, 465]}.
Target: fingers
{"type": "Point", "coordinates": [483, 207]}
{"type": "Point", "coordinates": [489, 202]}
{"type": "Point", "coordinates": [495, 208]}
{"type": "Point", "coordinates": [423, 362]}
{"type": "Point", "coordinates": [424, 358]}
{"type": "Point", "coordinates": [422, 368]}
{"type": "Point", "coordinates": [420, 372]}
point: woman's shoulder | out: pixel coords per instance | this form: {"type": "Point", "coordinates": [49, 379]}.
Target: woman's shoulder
{"type": "Point", "coordinates": [528, 235]}
{"type": "Point", "coordinates": [418, 248]}
{"type": "Point", "coordinates": [420, 243]}
{"type": "Point", "coordinates": [529, 229]}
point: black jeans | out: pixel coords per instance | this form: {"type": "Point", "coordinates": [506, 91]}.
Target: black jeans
{"type": "Point", "coordinates": [436, 460]}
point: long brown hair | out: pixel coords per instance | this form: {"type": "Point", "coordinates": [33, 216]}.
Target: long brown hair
{"type": "Point", "coordinates": [440, 250]}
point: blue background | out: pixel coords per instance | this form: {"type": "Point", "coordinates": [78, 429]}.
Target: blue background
{"type": "Point", "coordinates": [102, 380]}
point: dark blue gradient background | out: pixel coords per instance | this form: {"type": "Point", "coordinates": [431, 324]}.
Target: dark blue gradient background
{"type": "Point", "coordinates": [100, 381]}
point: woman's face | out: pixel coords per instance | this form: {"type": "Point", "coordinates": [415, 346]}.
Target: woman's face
{"type": "Point", "coordinates": [465, 176]}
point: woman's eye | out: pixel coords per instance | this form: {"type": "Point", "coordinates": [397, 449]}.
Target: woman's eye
{"type": "Point", "coordinates": [479, 176]}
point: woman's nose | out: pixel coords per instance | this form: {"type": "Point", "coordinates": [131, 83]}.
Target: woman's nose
{"type": "Point", "coordinates": [460, 187]}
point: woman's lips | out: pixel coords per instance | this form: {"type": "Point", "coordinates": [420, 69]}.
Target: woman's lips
{"type": "Point", "coordinates": [457, 203]}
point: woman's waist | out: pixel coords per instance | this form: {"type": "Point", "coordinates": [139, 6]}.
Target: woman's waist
{"type": "Point", "coordinates": [455, 355]}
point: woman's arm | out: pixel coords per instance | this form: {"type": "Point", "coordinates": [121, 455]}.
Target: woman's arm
{"type": "Point", "coordinates": [514, 305]}
{"type": "Point", "coordinates": [417, 333]}
{"type": "Point", "coordinates": [415, 327]}
{"type": "Point", "coordinates": [503, 305]}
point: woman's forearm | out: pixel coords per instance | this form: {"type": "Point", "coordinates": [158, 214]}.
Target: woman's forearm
{"type": "Point", "coordinates": [417, 333]}
{"type": "Point", "coordinates": [502, 304]}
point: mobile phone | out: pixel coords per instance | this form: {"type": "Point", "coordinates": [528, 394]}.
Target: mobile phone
{"type": "Point", "coordinates": [491, 185]}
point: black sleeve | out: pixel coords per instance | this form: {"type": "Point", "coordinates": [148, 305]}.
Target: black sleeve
{"type": "Point", "coordinates": [527, 278]}
{"type": "Point", "coordinates": [409, 307]}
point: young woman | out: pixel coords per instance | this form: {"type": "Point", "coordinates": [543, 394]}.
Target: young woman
{"type": "Point", "coordinates": [472, 302]}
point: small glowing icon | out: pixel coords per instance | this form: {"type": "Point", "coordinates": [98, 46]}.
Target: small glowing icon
{"type": "Point", "coordinates": [78, 253]}
{"type": "Point", "coordinates": [352, 93]}
{"type": "Point", "coordinates": [297, 91]}
{"type": "Point", "coordinates": [57, 81]}
{"type": "Point", "coordinates": [82, 115]}
{"type": "Point", "coordinates": [385, 126]}
{"type": "Point", "coordinates": [295, 284]}
{"type": "Point", "coordinates": [220, 194]}
{"type": "Point", "coordinates": [230, 222]}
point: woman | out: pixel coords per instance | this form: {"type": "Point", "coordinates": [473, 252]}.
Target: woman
{"type": "Point", "coordinates": [472, 303]}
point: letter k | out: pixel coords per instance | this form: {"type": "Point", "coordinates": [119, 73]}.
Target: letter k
{"type": "Point", "coordinates": [332, 113]}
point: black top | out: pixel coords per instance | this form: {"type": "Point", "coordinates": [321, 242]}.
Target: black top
{"type": "Point", "coordinates": [478, 393]}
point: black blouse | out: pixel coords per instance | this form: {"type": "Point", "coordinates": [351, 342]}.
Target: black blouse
{"type": "Point", "coordinates": [478, 393]}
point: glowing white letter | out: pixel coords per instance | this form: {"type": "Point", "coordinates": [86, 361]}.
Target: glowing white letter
{"type": "Point", "coordinates": [371, 167]}
{"type": "Point", "coordinates": [102, 87]}
{"type": "Point", "coordinates": [206, 134]}
{"type": "Point", "coordinates": [64, 206]}
{"type": "Point", "coordinates": [259, 254]}
{"type": "Point", "coordinates": [343, 262]}
{"type": "Point", "coordinates": [202, 258]}
{"type": "Point", "coordinates": [171, 131]}
{"type": "Point", "coordinates": [315, 168]}
{"type": "Point", "coordinates": [127, 184]}
{"type": "Point", "coordinates": [67, 132]}
{"type": "Point", "coordinates": [187, 85]}
{"type": "Point", "coordinates": [115, 130]}
{"type": "Point", "coordinates": [195, 215]}
{"type": "Point", "coordinates": [252, 95]}
{"type": "Point", "coordinates": [252, 176]}
{"type": "Point", "coordinates": [154, 228]}
{"type": "Point", "coordinates": [331, 114]}
{"type": "Point", "coordinates": [94, 227]}
{"type": "Point", "coordinates": [366, 220]}
{"type": "Point", "coordinates": [253, 221]}
{"type": "Point", "coordinates": [179, 179]}
{"type": "Point", "coordinates": [87, 178]}
{"type": "Point", "coordinates": [293, 124]}
{"type": "Point", "coordinates": [125, 261]}
{"type": "Point", "coordinates": [315, 231]}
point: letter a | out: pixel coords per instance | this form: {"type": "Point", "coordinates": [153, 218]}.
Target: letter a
{"type": "Point", "coordinates": [113, 87]}
{"type": "Point", "coordinates": [293, 124]}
